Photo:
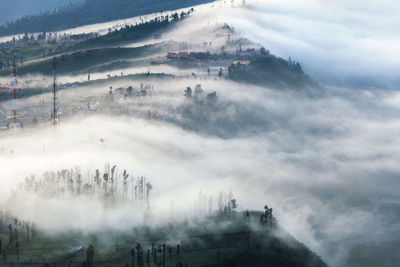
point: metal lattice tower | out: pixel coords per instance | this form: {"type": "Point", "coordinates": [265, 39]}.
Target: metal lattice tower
{"type": "Point", "coordinates": [14, 110]}
{"type": "Point", "coordinates": [54, 113]}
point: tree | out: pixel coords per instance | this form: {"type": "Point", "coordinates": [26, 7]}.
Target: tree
{"type": "Point", "coordinates": [148, 189]}
{"type": "Point", "coordinates": [89, 256]}
{"type": "Point", "coordinates": [212, 97]}
{"type": "Point", "coordinates": [263, 51]}
{"type": "Point", "coordinates": [188, 92]}
{"type": "Point", "coordinates": [175, 16]}
{"type": "Point", "coordinates": [105, 184]}
{"type": "Point", "coordinates": [234, 205]}
{"type": "Point", "coordinates": [230, 69]}
{"type": "Point", "coordinates": [220, 72]}
{"type": "Point", "coordinates": [97, 178]}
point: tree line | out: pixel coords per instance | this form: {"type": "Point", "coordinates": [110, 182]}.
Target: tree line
{"type": "Point", "coordinates": [110, 186]}
{"type": "Point", "coordinates": [89, 12]}
{"type": "Point", "coordinates": [138, 31]}
{"type": "Point", "coordinates": [48, 43]}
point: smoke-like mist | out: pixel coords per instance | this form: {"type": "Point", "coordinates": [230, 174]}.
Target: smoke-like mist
{"type": "Point", "coordinates": [339, 42]}
{"type": "Point", "coordinates": [324, 163]}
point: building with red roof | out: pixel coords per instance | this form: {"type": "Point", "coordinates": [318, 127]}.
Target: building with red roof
{"type": "Point", "coordinates": [183, 54]}
{"type": "Point", "coordinates": [172, 55]}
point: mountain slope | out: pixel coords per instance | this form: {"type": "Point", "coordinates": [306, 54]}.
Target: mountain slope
{"type": "Point", "coordinates": [12, 10]}
{"type": "Point", "coordinates": [92, 11]}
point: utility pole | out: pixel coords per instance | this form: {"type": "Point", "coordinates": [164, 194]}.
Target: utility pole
{"type": "Point", "coordinates": [55, 95]}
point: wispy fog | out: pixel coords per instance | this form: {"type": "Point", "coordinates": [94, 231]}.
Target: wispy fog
{"type": "Point", "coordinates": [324, 163]}
{"type": "Point", "coordinates": [327, 162]}
{"type": "Point", "coordinates": [346, 43]}
{"type": "Point", "coordinates": [340, 42]}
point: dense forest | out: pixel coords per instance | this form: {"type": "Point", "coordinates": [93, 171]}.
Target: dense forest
{"type": "Point", "coordinates": [11, 10]}
{"type": "Point", "coordinates": [269, 70]}
{"type": "Point", "coordinates": [91, 11]}
{"type": "Point", "coordinates": [47, 44]}
{"type": "Point", "coordinates": [131, 33]}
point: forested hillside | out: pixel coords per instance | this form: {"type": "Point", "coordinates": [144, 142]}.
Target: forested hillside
{"type": "Point", "coordinates": [269, 70]}
{"type": "Point", "coordinates": [91, 11]}
{"type": "Point", "coordinates": [12, 10]}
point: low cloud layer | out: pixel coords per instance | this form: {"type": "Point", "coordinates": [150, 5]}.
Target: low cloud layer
{"type": "Point", "coordinates": [324, 163]}
{"type": "Point", "coordinates": [338, 42]}
{"type": "Point", "coordinates": [327, 164]}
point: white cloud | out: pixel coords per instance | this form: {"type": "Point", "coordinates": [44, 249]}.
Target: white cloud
{"type": "Point", "coordinates": [335, 40]}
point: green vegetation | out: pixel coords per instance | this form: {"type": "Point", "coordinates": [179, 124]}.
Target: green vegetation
{"type": "Point", "coordinates": [33, 47]}
{"type": "Point", "coordinates": [24, 93]}
{"type": "Point", "coordinates": [92, 11]}
{"type": "Point", "coordinates": [207, 113]}
{"type": "Point", "coordinates": [209, 237]}
{"type": "Point", "coordinates": [38, 91]}
{"type": "Point", "coordinates": [236, 245]}
{"type": "Point", "coordinates": [20, 55]}
{"type": "Point", "coordinates": [10, 10]}
{"type": "Point", "coordinates": [46, 44]}
{"type": "Point", "coordinates": [79, 61]}
{"type": "Point", "coordinates": [269, 70]}
{"type": "Point", "coordinates": [133, 33]}
{"type": "Point", "coordinates": [229, 239]}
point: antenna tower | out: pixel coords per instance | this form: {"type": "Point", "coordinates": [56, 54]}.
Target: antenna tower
{"type": "Point", "coordinates": [14, 110]}
{"type": "Point", "coordinates": [54, 113]}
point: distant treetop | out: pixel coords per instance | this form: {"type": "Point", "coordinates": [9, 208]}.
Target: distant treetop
{"type": "Point", "coordinates": [89, 12]}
